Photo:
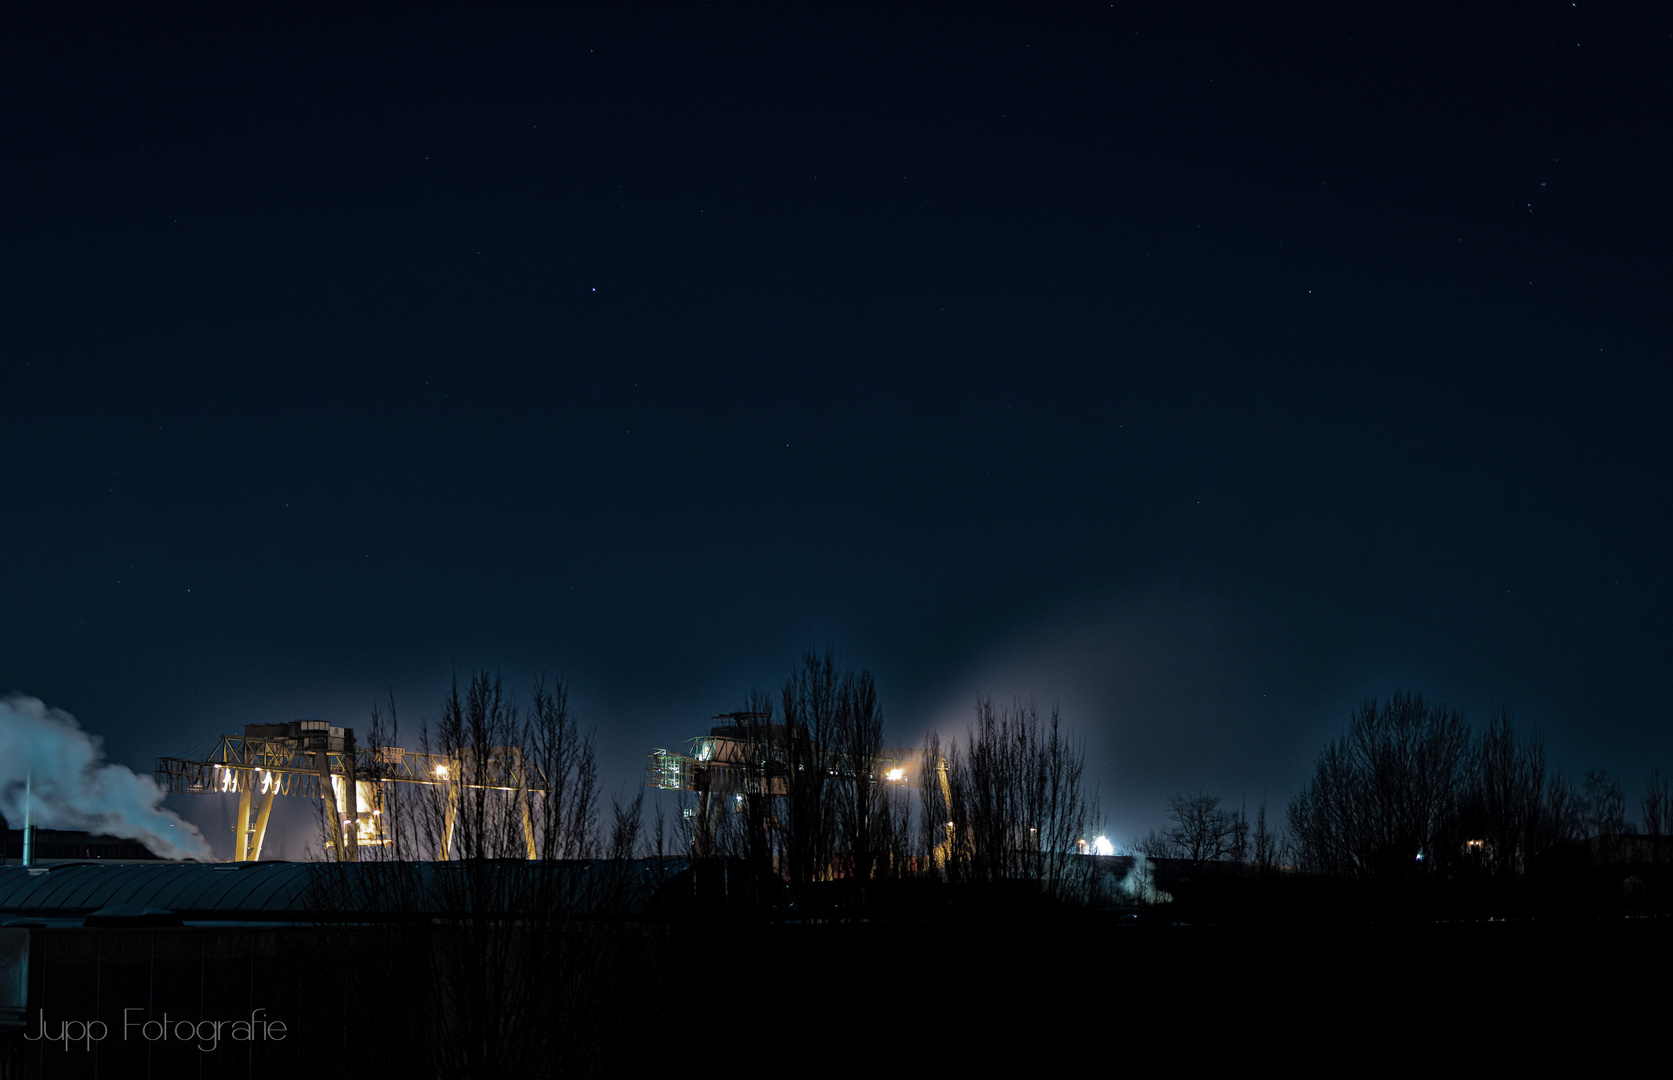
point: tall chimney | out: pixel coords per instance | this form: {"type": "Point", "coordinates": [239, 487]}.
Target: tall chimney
{"type": "Point", "coordinates": [28, 820]}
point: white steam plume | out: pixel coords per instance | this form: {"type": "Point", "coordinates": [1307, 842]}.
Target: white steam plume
{"type": "Point", "coordinates": [74, 788]}
{"type": "Point", "coordinates": [1140, 883]}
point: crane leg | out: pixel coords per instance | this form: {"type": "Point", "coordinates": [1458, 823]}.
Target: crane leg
{"type": "Point", "coordinates": [241, 831]}
{"type": "Point", "coordinates": [261, 823]}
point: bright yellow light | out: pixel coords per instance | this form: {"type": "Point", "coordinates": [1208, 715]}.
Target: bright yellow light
{"type": "Point", "coordinates": [895, 774]}
{"type": "Point", "coordinates": [441, 770]}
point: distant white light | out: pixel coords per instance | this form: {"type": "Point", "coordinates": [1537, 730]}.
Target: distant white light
{"type": "Point", "coordinates": [1101, 846]}
{"type": "Point", "coordinates": [895, 774]}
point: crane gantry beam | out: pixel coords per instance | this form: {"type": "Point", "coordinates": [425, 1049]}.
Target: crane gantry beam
{"type": "Point", "coordinates": [310, 759]}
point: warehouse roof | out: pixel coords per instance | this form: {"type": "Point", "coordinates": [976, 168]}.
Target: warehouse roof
{"type": "Point", "coordinates": [283, 891]}
{"type": "Point", "coordinates": [249, 890]}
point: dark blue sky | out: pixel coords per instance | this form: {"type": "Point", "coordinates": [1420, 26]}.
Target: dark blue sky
{"type": "Point", "coordinates": [1203, 371]}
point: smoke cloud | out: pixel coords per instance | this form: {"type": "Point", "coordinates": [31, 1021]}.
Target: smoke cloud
{"type": "Point", "coordinates": [1140, 883]}
{"type": "Point", "coordinates": [74, 788]}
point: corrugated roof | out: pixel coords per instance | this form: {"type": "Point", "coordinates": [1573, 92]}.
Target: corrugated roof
{"type": "Point", "coordinates": [286, 891]}
{"type": "Point", "coordinates": [231, 890]}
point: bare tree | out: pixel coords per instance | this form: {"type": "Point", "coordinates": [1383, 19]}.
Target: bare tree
{"type": "Point", "coordinates": [762, 781]}
{"type": "Point", "coordinates": [1017, 802]}
{"type": "Point", "coordinates": [1156, 845]}
{"type": "Point", "coordinates": [935, 812]}
{"type": "Point", "coordinates": [1203, 832]}
{"type": "Point", "coordinates": [1239, 851]}
{"type": "Point", "coordinates": [495, 976]}
{"type": "Point", "coordinates": [1657, 805]}
{"type": "Point", "coordinates": [684, 830]}
{"type": "Point", "coordinates": [566, 816]}
{"type": "Point", "coordinates": [1606, 804]}
{"type": "Point", "coordinates": [892, 835]}
{"type": "Point", "coordinates": [1604, 813]}
{"type": "Point", "coordinates": [1409, 788]}
{"type": "Point", "coordinates": [859, 791]}
{"type": "Point", "coordinates": [811, 698]}
{"type": "Point", "coordinates": [659, 832]}
{"type": "Point", "coordinates": [835, 814]}
{"type": "Point", "coordinates": [1515, 806]}
{"type": "Point", "coordinates": [1266, 843]}
{"type": "Point", "coordinates": [625, 818]}
{"type": "Point", "coordinates": [1387, 793]}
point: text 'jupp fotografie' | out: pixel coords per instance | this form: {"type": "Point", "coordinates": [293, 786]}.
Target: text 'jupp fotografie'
{"type": "Point", "coordinates": [205, 1034]}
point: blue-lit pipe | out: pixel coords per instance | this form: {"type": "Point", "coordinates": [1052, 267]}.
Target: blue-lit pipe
{"type": "Point", "coordinates": [28, 823]}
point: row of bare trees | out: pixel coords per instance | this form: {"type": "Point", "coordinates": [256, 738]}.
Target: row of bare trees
{"type": "Point", "coordinates": [1387, 793]}
{"type": "Point", "coordinates": [513, 782]}
{"type": "Point", "coordinates": [481, 894]}
{"type": "Point", "coordinates": [1202, 832]}
{"type": "Point", "coordinates": [841, 814]}
{"type": "Point", "coordinates": [1410, 790]}
{"type": "Point", "coordinates": [812, 798]}
{"type": "Point", "coordinates": [806, 797]}
{"type": "Point", "coordinates": [499, 977]}
{"type": "Point", "coordinates": [1009, 802]}
{"type": "Point", "coordinates": [1199, 830]}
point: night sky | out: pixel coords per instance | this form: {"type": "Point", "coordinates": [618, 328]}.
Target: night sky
{"type": "Point", "coordinates": [1200, 369]}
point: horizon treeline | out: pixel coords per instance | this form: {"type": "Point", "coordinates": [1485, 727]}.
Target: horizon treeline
{"type": "Point", "coordinates": [809, 794]}
{"type": "Point", "coordinates": [1411, 790]}
{"type": "Point", "coordinates": [1409, 787]}
{"type": "Point", "coordinates": [811, 797]}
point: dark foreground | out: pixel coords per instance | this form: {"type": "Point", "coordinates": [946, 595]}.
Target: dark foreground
{"type": "Point", "coordinates": [953, 992]}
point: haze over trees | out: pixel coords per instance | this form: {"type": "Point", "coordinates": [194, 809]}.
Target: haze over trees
{"type": "Point", "coordinates": [1014, 800]}
{"type": "Point", "coordinates": [810, 792]}
{"type": "Point", "coordinates": [1408, 789]}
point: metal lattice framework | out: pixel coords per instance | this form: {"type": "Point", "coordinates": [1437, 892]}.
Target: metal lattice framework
{"type": "Point", "coordinates": [743, 766]}
{"type": "Point", "coordinates": [748, 760]}
{"type": "Point", "coordinates": [713, 756]}
{"type": "Point", "coordinates": [324, 765]}
{"type": "Point", "coordinates": [244, 763]}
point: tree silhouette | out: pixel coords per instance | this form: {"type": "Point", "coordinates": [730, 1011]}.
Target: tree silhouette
{"type": "Point", "coordinates": [1015, 801]}
{"type": "Point", "coordinates": [1408, 791]}
{"type": "Point", "coordinates": [494, 973]}
{"type": "Point", "coordinates": [1203, 832]}
{"type": "Point", "coordinates": [1385, 795]}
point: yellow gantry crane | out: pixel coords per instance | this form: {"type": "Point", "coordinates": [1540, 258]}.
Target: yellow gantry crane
{"type": "Point", "coordinates": [312, 759]}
